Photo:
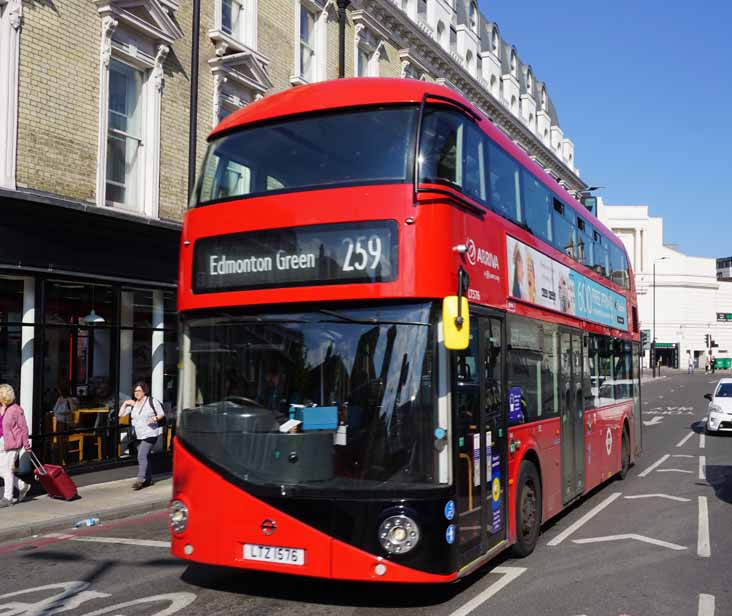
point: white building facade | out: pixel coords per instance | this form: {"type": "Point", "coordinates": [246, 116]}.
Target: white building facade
{"type": "Point", "coordinates": [690, 302]}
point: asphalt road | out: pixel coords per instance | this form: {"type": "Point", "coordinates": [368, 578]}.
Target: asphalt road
{"type": "Point", "coordinates": [657, 543]}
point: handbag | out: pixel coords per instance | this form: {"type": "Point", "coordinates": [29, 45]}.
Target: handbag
{"type": "Point", "coordinates": [24, 466]}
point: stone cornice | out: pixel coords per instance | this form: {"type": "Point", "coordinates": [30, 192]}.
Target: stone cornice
{"type": "Point", "coordinates": [412, 40]}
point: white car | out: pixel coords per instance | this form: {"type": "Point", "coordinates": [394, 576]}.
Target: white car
{"type": "Point", "coordinates": [719, 412]}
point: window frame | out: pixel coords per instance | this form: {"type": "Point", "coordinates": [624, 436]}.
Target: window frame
{"type": "Point", "coordinates": [317, 43]}
{"type": "Point", "coordinates": [133, 182]}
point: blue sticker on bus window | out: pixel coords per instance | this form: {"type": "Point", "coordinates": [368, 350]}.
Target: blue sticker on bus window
{"type": "Point", "coordinates": [515, 412]}
{"type": "Point", "coordinates": [450, 509]}
{"type": "Point", "coordinates": [450, 534]}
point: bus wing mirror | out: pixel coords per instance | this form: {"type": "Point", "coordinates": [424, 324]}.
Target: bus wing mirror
{"type": "Point", "coordinates": [457, 336]}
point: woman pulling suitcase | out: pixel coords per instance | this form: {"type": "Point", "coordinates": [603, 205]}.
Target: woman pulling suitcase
{"type": "Point", "coordinates": [13, 436]}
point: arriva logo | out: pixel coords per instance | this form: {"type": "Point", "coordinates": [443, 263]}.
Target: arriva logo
{"type": "Point", "coordinates": [478, 255]}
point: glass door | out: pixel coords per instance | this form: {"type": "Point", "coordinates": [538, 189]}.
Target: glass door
{"type": "Point", "coordinates": [572, 415]}
{"type": "Point", "coordinates": [480, 440]}
{"type": "Point", "coordinates": [495, 430]}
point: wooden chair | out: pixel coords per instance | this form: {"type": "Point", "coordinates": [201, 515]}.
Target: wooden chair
{"type": "Point", "coordinates": [65, 443]}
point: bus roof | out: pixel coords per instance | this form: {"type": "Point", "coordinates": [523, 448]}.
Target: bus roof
{"type": "Point", "coordinates": [364, 91]}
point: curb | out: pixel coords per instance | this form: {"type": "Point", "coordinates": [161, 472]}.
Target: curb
{"type": "Point", "coordinates": [67, 522]}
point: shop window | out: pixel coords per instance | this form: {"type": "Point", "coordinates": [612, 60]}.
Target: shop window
{"type": "Point", "coordinates": [88, 365]}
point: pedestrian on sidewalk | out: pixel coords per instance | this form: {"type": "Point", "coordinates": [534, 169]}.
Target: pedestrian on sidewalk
{"type": "Point", "coordinates": [713, 363]}
{"type": "Point", "coordinates": [691, 362]}
{"type": "Point", "coordinates": [145, 413]}
{"type": "Point", "coordinates": [706, 365]}
{"type": "Point", "coordinates": [13, 437]}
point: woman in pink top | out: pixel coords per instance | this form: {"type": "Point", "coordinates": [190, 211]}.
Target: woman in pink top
{"type": "Point", "coordinates": [13, 436]}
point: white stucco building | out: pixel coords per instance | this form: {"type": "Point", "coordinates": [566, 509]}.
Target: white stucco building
{"type": "Point", "coordinates": [688, 294]}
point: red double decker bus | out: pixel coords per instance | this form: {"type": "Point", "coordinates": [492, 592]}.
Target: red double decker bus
{"type": "Point", "coordinates": [404, 347]}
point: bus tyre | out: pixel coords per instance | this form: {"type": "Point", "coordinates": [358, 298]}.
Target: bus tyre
{"type": "Point", "coordinates": [528, 510]}
{"type": "Point", "coordinates": [625, 455]}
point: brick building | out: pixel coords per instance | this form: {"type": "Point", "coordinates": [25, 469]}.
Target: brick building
{"type": "Point", "coordinates": [94, 162]}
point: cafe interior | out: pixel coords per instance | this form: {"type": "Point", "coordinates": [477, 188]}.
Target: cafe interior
{"type": "Point", "coordinates": [73, 348]}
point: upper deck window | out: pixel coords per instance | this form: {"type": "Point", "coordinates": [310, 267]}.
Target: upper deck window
{"type": "Point", "coordinates": [345, 148]}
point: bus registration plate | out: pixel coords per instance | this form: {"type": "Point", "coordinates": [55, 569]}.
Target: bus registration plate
{"type": "Point", "coordinates": [274, 554]}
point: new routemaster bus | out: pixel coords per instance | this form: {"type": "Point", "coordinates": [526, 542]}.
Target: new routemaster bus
{"type": "Point", "coordinates": [404, 346]}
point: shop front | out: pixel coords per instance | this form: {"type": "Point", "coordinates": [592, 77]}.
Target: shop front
{"type": "Point", "coordinates": [87, 308]}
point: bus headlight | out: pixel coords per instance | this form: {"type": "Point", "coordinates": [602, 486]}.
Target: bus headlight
{"type": "Point", "coordinates": [178, 516]}
{"type": "Point", "coordinates": [399, 534]}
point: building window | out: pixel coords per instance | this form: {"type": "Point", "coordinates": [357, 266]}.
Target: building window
{"type": "Point", "coordinates": [131, 79]}
{"type": "Point", "coordinates": [474, 17]}
{"type": "Point", "coordinates": [232, 17]}
{"type": "Point", "coordinates": [453, 39]}
{"type": "Point", "coordinates": [307, 44]}
{"type": "Point", "coordinates": [363, 62]}
{"type": "Point", "coordinates": [124, 136]}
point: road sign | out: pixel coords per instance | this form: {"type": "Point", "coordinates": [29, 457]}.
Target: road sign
{"type": "Point", "coordinates": [724, 317]}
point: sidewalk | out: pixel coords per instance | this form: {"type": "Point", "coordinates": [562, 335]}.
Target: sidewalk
{"type": "Point", "coordinates": [108, 501]}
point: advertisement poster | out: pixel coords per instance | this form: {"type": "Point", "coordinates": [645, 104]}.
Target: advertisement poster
{"type": "Point", "coordinates": [535, 278]}
{"type": "Point", "coordinates": [476, 460]}
{"type": "Point", "coordinates": [496, 496]}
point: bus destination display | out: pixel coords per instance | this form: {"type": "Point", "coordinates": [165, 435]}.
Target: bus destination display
{"type": "Point", "coordinates": [322, 254]}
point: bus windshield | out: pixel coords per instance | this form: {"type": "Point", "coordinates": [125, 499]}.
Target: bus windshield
{"type": "Point", "coordinates": [321, 399]}
{"type": "Point", "coordinates": [319, 150]}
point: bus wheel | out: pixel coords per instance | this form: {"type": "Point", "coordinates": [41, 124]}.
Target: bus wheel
{"type": "Point", "coordinates": [528, 510]}
{"type": "Point", "coordinates": [625, 453]}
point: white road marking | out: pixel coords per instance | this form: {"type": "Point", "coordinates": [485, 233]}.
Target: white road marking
{"type": "Point", "coordinates": [509, 575]}
{"type": "Point", "coordinates": [633, 537]}
{"type": "Point", "coordinates": [703, 547]}
{"type": "Point", "coordinates": [710, 382]}
{"type": "Point", "coordinates": [681, 499]}
{"type": "Point", "coordinates": [653, 466]}
{"type": "Point", "coordinates": [703, 468]}
{"type": "Point", "coordinates": [706, 605]}
{"type": "Point", "coordinates": [673, 470]}
{"type": "Point", "coordinates": [148, 543]}
{"type": "Point", "coordinates": [584, 519]}
{"type": "Point", "coordinates": [683, 440]}
{"type": "Point", "coordinates": [657, 419]}
{"type": "Point", "coordinates": [682, 455]}
{"type": "Point", "coordinates": [702, 441]}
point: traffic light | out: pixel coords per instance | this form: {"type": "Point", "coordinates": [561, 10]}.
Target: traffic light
{"type": "Point", "coordinates": [713, 343]}
{"type": "Point", "coordinates": [644, 340]}
{"type": "Point", "coordinates": [707, 340]}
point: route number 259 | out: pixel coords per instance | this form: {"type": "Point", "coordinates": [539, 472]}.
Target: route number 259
{"type": "Point", "coordinates": [364, 252]}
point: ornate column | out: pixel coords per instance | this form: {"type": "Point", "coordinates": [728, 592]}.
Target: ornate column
{"type": "Point", "coordinates": [109, 25]}
{"type": "Point", "coordinates": [11, 21]}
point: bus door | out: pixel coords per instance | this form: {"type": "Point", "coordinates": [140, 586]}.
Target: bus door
{"type": "Point", "coordinates": [480, 440]}
{"type": "Point", "coordinates": [572, 414]}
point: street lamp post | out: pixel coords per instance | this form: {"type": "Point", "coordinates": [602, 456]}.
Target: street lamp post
{"type": "Point", "coordinates": [653, 335]}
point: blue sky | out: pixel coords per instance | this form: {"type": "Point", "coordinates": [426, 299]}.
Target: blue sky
{"type": "Point", "coordinates": [644, 90]}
